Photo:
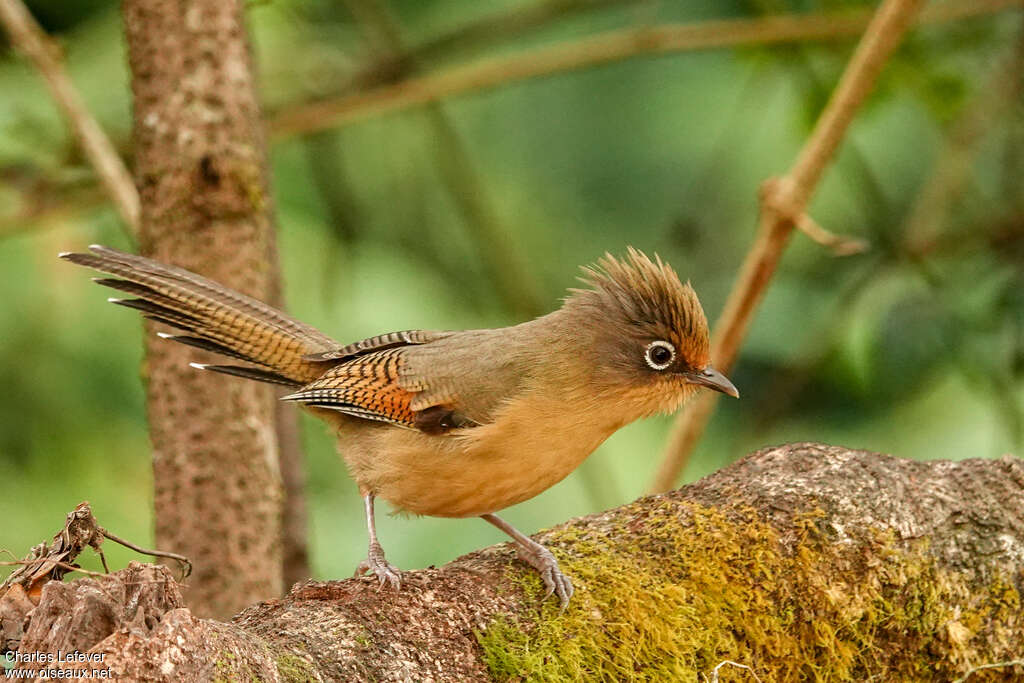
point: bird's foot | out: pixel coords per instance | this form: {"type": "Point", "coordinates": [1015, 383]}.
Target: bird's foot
{"type": "Point", "coordinates": [541, 559]}
{"type": "Point", "coordinates": [376, 562]}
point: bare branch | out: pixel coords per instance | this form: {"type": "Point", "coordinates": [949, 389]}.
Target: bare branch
{"type": "Point", "coordinates": [773, 199]}
{"type": "Point", "coordinates": [789, 197]}
{"type": "Point", "coordinates": [612, 46]}
{"type": "Point", "coordinates": [44, 54]}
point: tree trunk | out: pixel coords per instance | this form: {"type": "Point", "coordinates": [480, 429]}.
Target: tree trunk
{"type": "Point", "coordinates": [202, 175]}
{"type": "Point", "coordinates": [803, 562]}
{"type": "Point", "coordinates": [294, 513]}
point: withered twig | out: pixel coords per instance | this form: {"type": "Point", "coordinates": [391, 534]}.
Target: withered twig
{"type": "Point", "coordinates": [45, 562]}
{"type": "Point", "coordinates": [50, 562]}
{"type": "Point", "coordinates": [186, 564]}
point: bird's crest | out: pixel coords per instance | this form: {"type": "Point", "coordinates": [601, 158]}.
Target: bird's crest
{"type": "Point", "coordinates": [643, 292]}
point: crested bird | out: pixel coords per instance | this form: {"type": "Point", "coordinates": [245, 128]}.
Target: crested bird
{"type": "Point", "coordinates": [455, 423]}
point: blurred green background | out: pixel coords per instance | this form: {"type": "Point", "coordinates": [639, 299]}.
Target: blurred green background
{"type": "Point", "coordinates": [915, 348]}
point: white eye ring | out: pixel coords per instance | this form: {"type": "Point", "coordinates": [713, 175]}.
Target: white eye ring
{"type": "Point", "coordinates": [653, 348]}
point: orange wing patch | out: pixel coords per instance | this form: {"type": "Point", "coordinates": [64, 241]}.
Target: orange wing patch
{"type": "Point", "coordinates": [366, 387]}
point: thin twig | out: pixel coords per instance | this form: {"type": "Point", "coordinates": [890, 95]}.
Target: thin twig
{"type": "Point", "coordinates": [103, 560]}
{"type": "Point", "coordinates": [45, 55]}
{"type": "Point", "coordinates": [612, 46]}
{"type": "Point", "coordinates": [186, 565]}
{"type": "Point", "coordinates": [774, 199]}
{"type": "Point", "coordinates": [839, 244]}
{"type": "Point", "coordinates": [80, 530]}
{"type": "Point", "coordinates": [786, 200]}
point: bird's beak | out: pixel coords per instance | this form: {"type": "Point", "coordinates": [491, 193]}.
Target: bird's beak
{"type": "Point", "coordinates": [713, 379]}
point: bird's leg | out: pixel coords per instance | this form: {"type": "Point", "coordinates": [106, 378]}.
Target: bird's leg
{"type": "Point", "coordinates": [538, 557]}
{"type": "Point", "coordinates": [375, 561]}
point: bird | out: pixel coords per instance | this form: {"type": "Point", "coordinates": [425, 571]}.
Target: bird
{"type": "Point", "coordinates": [455, 423]}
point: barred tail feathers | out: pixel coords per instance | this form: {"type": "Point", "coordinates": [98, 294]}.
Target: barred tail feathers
{"type": "Point", "coordinates": [214, 317]}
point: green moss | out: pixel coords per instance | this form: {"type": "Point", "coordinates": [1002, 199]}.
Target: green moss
{"type": "Point", "coordinates": [293, 668]}
{"type": "Point", "coordinates": [225, 667]}
{"type": "Point", "coordinates": [362, 639]}
{"type": "Point", "coordinates": [702, 587]}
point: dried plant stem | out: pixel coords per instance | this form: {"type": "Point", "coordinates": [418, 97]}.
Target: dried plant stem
{"type": "Point", "coordinates": [783, 201]}
{"type": "Point", "coordinates": [594, 51]}
{"type": "Point", "coordinates": [44, 54]}
{"type": "Point", "coordinates": [186, 564]}
{"type": "Point", "coordinates": [46, 562]}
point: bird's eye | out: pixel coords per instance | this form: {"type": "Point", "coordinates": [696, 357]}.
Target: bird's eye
{"type": "Point", "coordinates": [660, 354]}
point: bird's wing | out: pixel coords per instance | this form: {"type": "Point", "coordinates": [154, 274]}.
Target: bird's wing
{"type": "Point", "coordinates": [447, 382]}
{"type": "Point", "coordinates": [363, 387]}
{"type": "Point", "coordinates": [369, 387]}
{"type": "Point", "coordinates": [473, 372]}
{"type": "Point", "coordinates": [363, 381]}
{"type": "Point", "coordinates": [379, 343]}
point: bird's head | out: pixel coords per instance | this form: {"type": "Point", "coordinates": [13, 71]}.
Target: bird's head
{"type": "Point", "coordinates": [648, 333]}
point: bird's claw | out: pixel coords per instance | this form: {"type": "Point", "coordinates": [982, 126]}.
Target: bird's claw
{"type": "Point", "coordinates": [376, 562]}
{"type": "Point", "coordinates": [557, 583]}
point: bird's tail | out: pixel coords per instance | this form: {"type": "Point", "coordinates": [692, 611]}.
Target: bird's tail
{"type": "Point", "coordinates": [214, 317]}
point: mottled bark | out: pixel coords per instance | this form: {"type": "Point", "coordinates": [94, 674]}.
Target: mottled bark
{"type": "Point", "coordinates": [201, 170]}
{"type": "Point", "coordinates": [804, 562]}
